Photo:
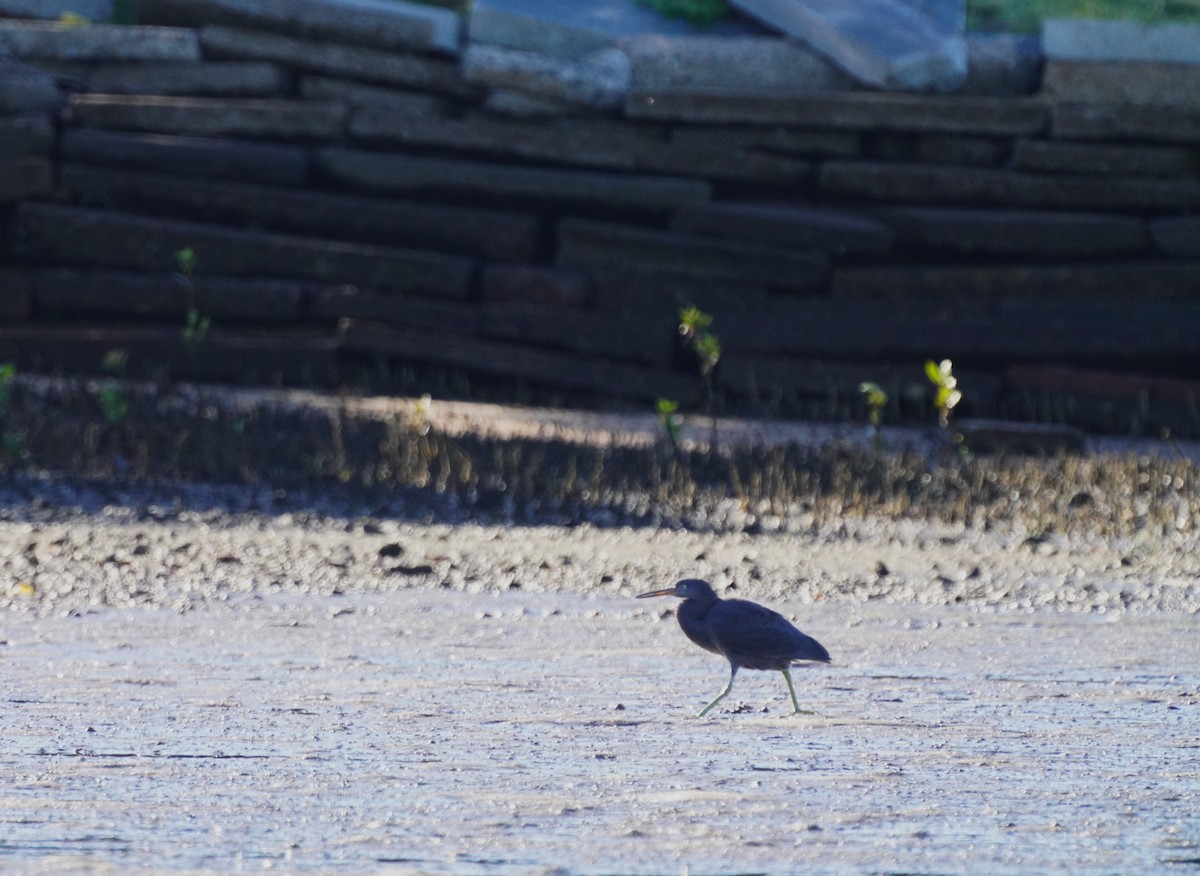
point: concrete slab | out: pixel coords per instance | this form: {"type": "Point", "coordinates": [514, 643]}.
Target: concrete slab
{"type": "Point", "coordinates": [1017, 232]}
{"type": "Point", "coordinates": [1133, 159]}
{"type": "Point", "coordinates": [1081, 39]}
{"type": "Point", "coordinates": [26, 134]}
{"type": "Point", "coordinates": [1144, 83]}
{"type": "Point", "coordinates": [93, 10]}
{"type": "Point", "coordinates": [1002, 64]}
{"type": "Point", "coordinates": [407, 70]}
{"type": "Point", "coordinates": [277, 164]}
{"type": "Point", "coordinates": [566, 30]}
{"type": "Point", "coordinates": [206, 78]}
{"type": "Point", "coordinates": [1126, 122]}
{"type": "Point", "coordinates": [490, 182]}
{"type": "Point", "coordinates": [1177, 236]}
{"type": "Point", "coordinates": [106, 238]}
{"type": "Point", "coordinates": [211, 116]}
{"type": "Point", "coordinates": [661, 61]}
{"type": "Point", "coordinates": [395, 25]}
{"type": "Point", "coordinates": [28, 92]}
{"type": "Point", "coordinates": [600, 78]}
{"type": "Point", "coordinates": [882, 43]}
{"type": "Point", "coordinates": [788, 226]}
{"type": "Point", "coordinates": [866, 111]}
{"type": "Point", "coordinates": [33, 41]}
{"type": "Point", "coordinates": [585, 243]}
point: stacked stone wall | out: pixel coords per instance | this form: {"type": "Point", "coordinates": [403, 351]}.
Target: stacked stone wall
{"type": "Point", "coordinates": [391, 191]}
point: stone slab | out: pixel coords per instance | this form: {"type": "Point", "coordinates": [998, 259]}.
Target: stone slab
{"type": "Point", "coordinates": [16, 295]}
{"type": "Point", "coordinates": [269, 163]}
{"type": "Point", "coordinates": [495, 234]}
{"type": "Point", "coordinates": [334, 303]}
{"type": "Point", "coordinates": [846, 111]}
{"type": "Point", "coordinates": [1108, 82]}
{"type": "Point", "coordinates": [749, 63]}
{"type": "Point", "coordinates": [44, 233]}
{"type": "Point", "coordinates": [598, 79]}
{"type": "Point", "coordinates": [522, 105]}
{"type": "Point", "coordinates": [1085, 282]}
{"type": "Point", "coordinates": [296, 359]}
{"type": "Point", "coordinates": [504, 183]}
{"type": "Point", "coordinates": [331, 59]}
{"type": "Point", "coordinates": [31, 134]}
{"type": "Point", "coordinates": [586, 142]}
{"type": "Point", "coordinates": [935, 184]}
{"type": "Point", "coordinates": [1108, 159]}
{"type": "Point", "coordinates": [787, 141]}
{"type": "Point", "coordinates": [971, 151]}
{"type": "Point", "coordinates": [620, 287]}
{"type": "Point", "coordinates": [28, 92]}
{"type": "Point", "coordinates": [584, 243]}
{"type": "Point", "coordinates": [29, 176]}
{"type": "Point", "coordinates": [535, 285]}
{"type": "Point", "coordinates": [393, 25]}
{"type": "Point", "coordinates": [785, 225]}
{"type": "Point", "coordinates": [1017, 232]}
{"type": "Point", "coordinates": [1177, 236]}
{"type": "Point", "coordinates": [629, 337]}
{"type": "Point", "coordinates": [39, 41]}
{"type": "Point", "coordinates": [881, 43]}
{"type": "Point", "coordinates": [1083, 39]}
{"type": "Point", "coordinates": [210, 116]}
{"type": "Point", "coordinates": [898, 331]}
{"type": "Point", "coordinates": [1102, 383]}
{"type": "Point", "coordinates": [204, 79]}
{"type": "Point", "coordinates": [604, 143]}
{"type": "Point", "coordinates": [52, 10]}
{"type": "Point", "coordinates": [568, 30]}
{"type": "Point", "coordinates": [1001, 64]}
{"type": "Point", "coordinates": [399, 102]}
{"type": "Point", "coordinates": [516, 361]}
{"type": "Point", "coordinates": [1121, 122]}
{"type": "Point", "coordinates": [70, 293]}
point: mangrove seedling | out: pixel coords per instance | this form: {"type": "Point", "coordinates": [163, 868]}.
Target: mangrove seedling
{"type": "Point", "coordinates": [669, 419]}
{"type": "Point", "coordinates": [946, 395]}
{"type": "Point", "coordinates": [195, 324]}
{"type": "Point", "coordinates": [876, 400]}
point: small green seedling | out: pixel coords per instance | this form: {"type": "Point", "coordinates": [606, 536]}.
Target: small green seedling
{"type": "Point", "coordinates": [694, 326]}
{"type": "Point", "coordinates": [115, 360]}
{"type": "Point", "coordinates": [669, 419]}
{"type": "Point", "coordinates": [876, 400]}
{"type": "Point", "coordinates": [195, 324]}
{"type": "Point", "coordinates": [947, 396]}
{"type": "Point", "coordinates": [8, 374]}
{"type": "Point", "coordinates": [114, 404]}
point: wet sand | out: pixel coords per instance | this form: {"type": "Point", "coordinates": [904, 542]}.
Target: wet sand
{"type": "Point", "coordinates": [427, 730]}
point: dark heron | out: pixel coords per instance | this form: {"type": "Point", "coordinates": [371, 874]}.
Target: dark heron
{"type": "Point", "coordinates": [746, 634]}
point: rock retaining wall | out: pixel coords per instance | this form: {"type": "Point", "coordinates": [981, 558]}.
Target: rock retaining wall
{"type": "Point", "coordinates": [382, 190]}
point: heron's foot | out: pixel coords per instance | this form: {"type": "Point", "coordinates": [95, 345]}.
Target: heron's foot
{"type": "Point", "coordinates": [803, 712]}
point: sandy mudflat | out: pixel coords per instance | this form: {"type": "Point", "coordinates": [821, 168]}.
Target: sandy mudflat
{"type": "Point", "coordinates": [202, 679]}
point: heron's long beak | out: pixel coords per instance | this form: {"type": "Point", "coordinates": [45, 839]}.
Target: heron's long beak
{"type": "Point", "coordinates": [670, 591]}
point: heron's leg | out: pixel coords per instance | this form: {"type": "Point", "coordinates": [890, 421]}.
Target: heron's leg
{"type": "Point", "coordinates": [722, 694]}
{"type": "Point", "coordinates": [792, 690]}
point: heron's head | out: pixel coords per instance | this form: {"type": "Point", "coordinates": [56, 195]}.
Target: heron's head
{"type": "Point", "coordinates": [689, 588]}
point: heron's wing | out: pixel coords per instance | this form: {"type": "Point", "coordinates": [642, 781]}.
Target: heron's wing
{"type": "Point", "coordinates": [749, 630]}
